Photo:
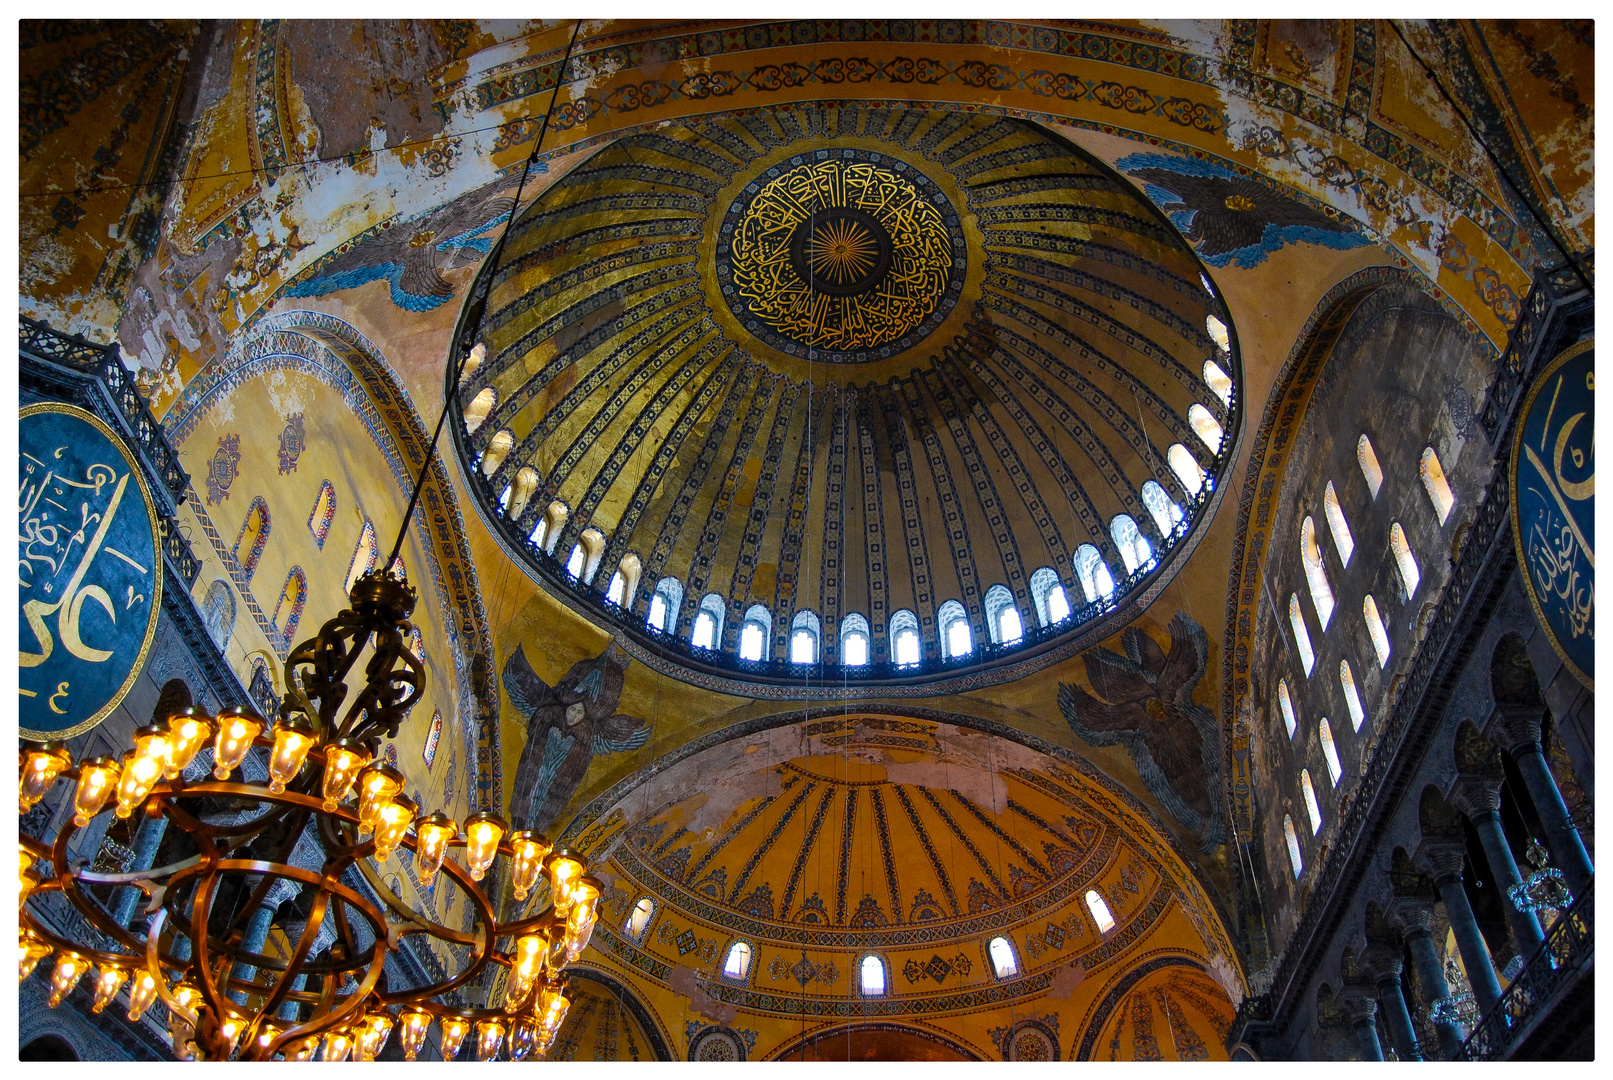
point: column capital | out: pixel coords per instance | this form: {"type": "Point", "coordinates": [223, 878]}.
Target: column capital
{"type": "Point", "coordinates": [1515, 727]}
{"type": "Point", "coordinates": [282, 890]}
{"type": "Point", "coordinates": [1444, 859]}
{"type": "Point", "coordinates": [1412, 914]}
{"type": "Point", "coordinates": [1476, 795]}
{"type": "Point", "coordinates": [1382, 961]}
{"type": "Point", "coordinates": [1359, 1003]}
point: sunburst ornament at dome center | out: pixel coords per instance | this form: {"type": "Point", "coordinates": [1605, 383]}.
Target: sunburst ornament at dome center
{"type": "Point", "coordinates": [845, 258]}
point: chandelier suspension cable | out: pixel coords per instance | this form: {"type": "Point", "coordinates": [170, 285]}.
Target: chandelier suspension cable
{"type": "Point", "coordinates": [492, 262]}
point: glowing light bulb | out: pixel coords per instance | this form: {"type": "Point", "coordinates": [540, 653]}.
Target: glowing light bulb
{"type": "Point", "coordinates": [303, 1049]}
{"type": "Point", "coordinates": [530, 950]}
{"type": "Point", "coordinates": [154, 742]}
{"type": "Point", "coordinates": [238, 726]}
{"type": "Point", "coordinates": [516, 990]}
{"type": "Point", "coordinates": [187, 997]}
{"type": "Point", "coordinates": [432, 836]}
{"type": "Point", "coordinates": [42, 764]}
{"type": "Point", "coordinates": [551, 1013]}
{"type": "Point", "coordinates": [391, 823]}
{"type": "Point", "coordinates": [142, 992]}
{"type": "Point", "coordinates": [95, 779]}
{"type": "Point", "coordinates": [107, 985]}
{"type": "Point", "coordinates": [376, 786]}
{"type": "Point", "coordinates": [454, 1030]}
{"type": "Point", "coordinates": [267, 1034]}
{"type": "Point", "coordinates": [30, 951]}
{"type": "Point", "coordinates": [482, 833]}
{"type": "Point", "coordinates": [70, 968]}
{"type": "Point", "coordinates": [523, 1035]}
{"type": "Point", "coordinates": [489, 1037]}
{"type": "Point", "coordinates": [564, 868]}
{"type": "Point", "coordinates": [580, 922]}
{"type": "Point", "coordinates": [337, 1045]}
{"type": "Point", "coordinates": [415, 1026]}
{"type": "Point", "coordinates": [529, 849]}
{"type": "Point", "coordinates": [343, 760]}
{"type": "Point", "coordinates": [293, 738]}
{"type": "Point", "coordinates": [188, 732]}
{"type": "Point", "coordinates": [230, 1029]}
{"type": "Point", "coordinates": [140, 773]}
{"type": "Point", "coordinates": [371, 1036]}
{"type": "Point", "coordinates": [27, 880]}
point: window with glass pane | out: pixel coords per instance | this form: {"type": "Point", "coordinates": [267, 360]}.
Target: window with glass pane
{"type": "Point", "coordinates": [1335, 768]}
{"type": "Point", "coordinates": [1002, 957]}
{"type": "Point", "coordinates": [1100, 911]}
{"type": "Point", "coordinates": [752, 641]}
{"type": "Point", "coordinates": [1352, 697]}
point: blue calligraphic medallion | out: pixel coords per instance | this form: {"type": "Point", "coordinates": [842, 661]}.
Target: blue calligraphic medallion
{"type": "Point", "coordinates": [1553, 477]}
{"type": "Point", "coordinates": [89, 567]}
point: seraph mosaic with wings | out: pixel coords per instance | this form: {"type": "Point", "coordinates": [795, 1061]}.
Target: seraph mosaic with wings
{"type": "Point", "coordinates": [1144, 702]}
{"type": "Point", "coordinates": [412, 255]}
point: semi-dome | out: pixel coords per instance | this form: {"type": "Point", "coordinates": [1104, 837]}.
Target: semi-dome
{"type": "Point", "coordinates": [872, 394]}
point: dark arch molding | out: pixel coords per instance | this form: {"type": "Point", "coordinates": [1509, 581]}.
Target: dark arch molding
{"type": "Point", "coordinates": [841, 1031]}
{"type": "Point", "coordinates": [630, 1001]}
{"type": "Point", "coordinates": [1121, 987]}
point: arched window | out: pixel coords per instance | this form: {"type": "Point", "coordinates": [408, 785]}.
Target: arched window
{"type": "Point", "coordinates": [365, 556]}
{"type": "Point", "coordinates": [1368, 461]}
{"type": "Point", "coordinates": [1312, 807]}
{"type": "Point", "coordinates": [737, 965]}
{"type": "Point", "coordinates": [956, 637]}
{"type": "Point", "coordinates": [1218, 381]}
{"type": "Point", "coordinates": [616, 588]}
{"type": "Point", "coordinates": [854, 638]}
{"type": "Point", "coordinates": [520, 491]}
{"type": "Point", "coordinates": [903, 631]}
{"type": "Point", "coordinates": [1405, 561]}
{"type": "Point", "coordinates": [1375, 629]}
{"type": "Point", "coordinates": [624, 583]}
{"type": "Point", "coordinates": [1186, 468]}
{"type": "Point", "coordinates": [1205, 426]}
{"type": "Point", "coordinates": [1218, 333]}
{"type": "Point", "coordinates": [428, 749]}
{"type": "Point", "coordinates": [755, 632]}
{"type": "Point", "coordinates": [546, 533]}
{"type": "Point", "coordinates": [1003, 623]}
{"type": "Point", "coordinates": [871, 976]}
{"type": "Point", "coordinates": [665, 604]}
{"type": "Point", "coordinates": [288, 609]}
{"type": "Point", "coordinates": [1302, 636]}
{"type": "Point", "coordinates": [1352, 697]}
{"type": "Point", "coordinates": [592, 542]}
{"type": "Point", "coordinates": [805, 633]}
{"type": "Point", "coordinates": [480, 405]}
{"type": "Point", "coordinates": [1052, 605]}
{"type": "Point", "coordinates": [1166, 514]}
{"type": "Point", "coordinates": [1093, 573]}
{"type": "Point", "coordinates": [498, 448]}
{"type": "Point", "coordinates": [467, 367]}
{"type": "Point", "coordinates": [577, 562]}
{"type": "Point", "coordinates": [323, 513]}
{"type": "Point", "coordinates": [1340, 528]}
{"type": "Point", "coordinates": [1001, 952]}
{"type": "Point", "coordinates": [1294, 858]}
{"type": "Point", "coordinates": [1100, 912]}
{"type": "Point", "coordinates": [1134, 549]}
{"type": "Point", "coordinates": [218, 612]}
{"type": "Point", "coordinates": [254, 534]}
{"type": "Point", "coordinates": [1315, 573]}
{"type": "Point", "coordinates": [707, 633]}
{"type": "Point", "coordinates": [1330, 751]}
{"type": "Point", "coordinates": [1439, 492]}
{"type": "Point", "coordinates": [638, 920]}
{"type": "Point", "coordinates": [1286, 703]}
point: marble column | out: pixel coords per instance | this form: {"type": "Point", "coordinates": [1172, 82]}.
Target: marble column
{"type": "Point", "coordinates": [1517, 730]}
{"type": "Point", "coordinates": [1479, 797]}
{"type": "Point", "coordinates": [257, 930]}
{"type": "Point", "coordinates": [322, 941]}
{"type": "Point", "coordinates": [1415, 918]}
{"type": "Point", "coordinates": [1384, 964]}
{"type": "Point", "coordinates": [147, 838]}
{"type": "Point", "coordinates": [1362, 1009]}
{"type": "Point", "coordinates": [1445, 861]}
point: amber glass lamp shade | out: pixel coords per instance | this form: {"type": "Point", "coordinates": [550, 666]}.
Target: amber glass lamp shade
{"type": "Point", "coordinates": [42, 763]}
{"type": "Point", "coordinates": [432, 834]}
{"type": "Point", "coordinates": [564, 868]}
{"type": "Point", "coordinates": [140, 773]}
{"type": "Point", "coordinates": [376, 786]}
{"type": "Point", "coordinates": [238, 728]}
{"type": "Point", "coordinates": [392, 823]}
{"type": "Point", "coordinates": [293, 738]}
{"type": "Point", "coordinates": [343, 760]}
{"type": "Point", "coordinates": [489, 1037]}
{"type": "Point", "coordinates": [96, 778]}
{"type": "Point", "coordinates": [454, 1030]}
{"type": "Point", "coordinates": [188, 731]}
{"type": "Point", "coordinates": [107, 984]}
{"type": "Point", "coordinates": [529, 849]}
{"type": "Point", "coordinates": [414, 1026]}
{"type": "Point", "coordinates": [70, 968]}
{"type": "Point", "coordinates": [482, 833]}
{"type": "Point", "coordinates": [142, 992]}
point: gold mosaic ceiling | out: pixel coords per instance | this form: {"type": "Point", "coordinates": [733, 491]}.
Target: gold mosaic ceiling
{"type": "Point", "coordinates": [841, 359]}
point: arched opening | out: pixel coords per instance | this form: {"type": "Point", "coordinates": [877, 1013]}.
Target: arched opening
{"type": "Point", "coordinates": [47, 1048]}
{"type": "Point", "coordinates": [1312, 807]}
{"type": "Point", "coordinates": [1302, 636]}
{"type": "Point", "coordinates": [708, 621]}
{"type": "Point", "coordinates": [665, 605]}
{"type": "Point", "coordinates": [520, 491]}
{"type": "Point", "coordinates": [1003, 623]}
{"type": "Point", "coordinates": [871, 976]}
{"type": "Point", "coordinates": [1047, 593]}
{"type": "Point", "coordinates": [1315, 573]}
{"type": "Point", "coordinates": [498, 448]}
{"type": "Point", "coordinates": [1352, 697]}
{"type": "Point", "coordinates": [1133, 546]}
{"type": "Point", "coordinates": [583, 563]}
{"type": "Point", "coordinates": [805, 635]}
{"type": "Point", "coordinates": [1405, 561]}
{"type": "Point", "coordinates": [1205, 426]}
{"type": "Point", "coordinates": [1439, 490]}
{"type": "Point", "coordinates": [253, 536]}
{"type": "Point", "coordinates": [288, 609]}
{"type": "Point", "coordinates": [1286, 703]}
{"type": "Point", "coordinates": [638, 920]}
{"type": "Point", "coordinates": [956, 637]}
{"type": "Point", "coordinates": [366, 554]}
{"type": "Point", "coordinates": [624, 582]}
{"type": "Point", "coordinates": [323, 513]}
{"type": "Point", "coordinates": [1295, 860]}
{"type": "Point", "coordinates": [737, 964]}
{"type": "Point", "coordinates": [1367, 458]}
{"type": "Point", "coordinates": [1186, 468]}
{"type": "Point", "coordinates": [546, 533]}
{"type": "Point", "coordinates": [1343, 542]}
{"type": "Point", "coordinates": [1335, 768]}
{"type": "Point", "coordinates": [1093, 573]}
{"type": "Point", "coordinates": [1218, 380]}
{"type": "Point", "coordinates": [903, 632]}
{"type": "Point", "coordinates": [1166, 514]}
{"type": "Point", "coordinates": [218, 612]}
{"type": "Point", "coordinates": [1099, 909]}
{"type": "Point", "coordinates": [854, 640]}
{"type": "Point", "coordinates": [1218, 333]}
{"type": "Point", "coordinates": [1003, 964]}
{"type": "Point", "coordinates": [1375, 629]}
{"type": "Point", "coordinates": [755, 633]}
{"type": "Point", "coordinates": [476, 412]}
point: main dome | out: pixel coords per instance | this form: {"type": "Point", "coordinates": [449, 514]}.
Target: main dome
{"type": "Point", "coordinates": [894, 392]}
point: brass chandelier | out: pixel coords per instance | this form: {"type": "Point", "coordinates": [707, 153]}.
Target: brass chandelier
{"type": "Point", "coordinates": [227, 997]}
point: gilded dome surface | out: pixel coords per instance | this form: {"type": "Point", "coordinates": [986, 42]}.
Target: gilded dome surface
{"type": "Point", "coordinates": [846, 373]}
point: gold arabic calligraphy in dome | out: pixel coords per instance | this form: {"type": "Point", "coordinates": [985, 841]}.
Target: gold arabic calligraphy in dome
{"type": "Point", "coordinates": [849, 255]}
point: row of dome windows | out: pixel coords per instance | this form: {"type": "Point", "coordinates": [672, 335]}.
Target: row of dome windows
{"type": "Point", "coordinates": [872, 977]}
{"type": "Point", "coordinates": [1323, 601]}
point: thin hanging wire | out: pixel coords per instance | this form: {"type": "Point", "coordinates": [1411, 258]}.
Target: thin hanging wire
{"type": "Point", "coordinates": [492, 261]}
